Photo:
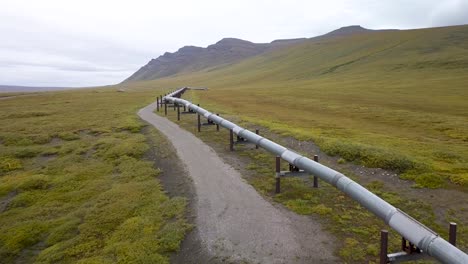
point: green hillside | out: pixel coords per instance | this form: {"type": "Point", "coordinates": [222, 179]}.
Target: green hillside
{"type": "Point", "coordinates": [390, 99]}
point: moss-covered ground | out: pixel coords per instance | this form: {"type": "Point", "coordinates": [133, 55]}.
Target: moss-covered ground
{"type": "Point", "coordinates": [74, 184]}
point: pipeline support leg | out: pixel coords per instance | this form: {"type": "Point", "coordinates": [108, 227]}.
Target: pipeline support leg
{"type": "Point", "coordinates": [217, 125]}
{"type": "Point", "coordinates": [198, 122]}
{"type": "Point", "coordinates": [453, 234]}
{"type": "Point", "coordinates": [277, 176]}
{"type": "Point", "coordinates": [157, 103]}
{"type": "Point", "coordinates": [165, 108]}
{"type": "Point", "coordinates": [316, 185]}
{"type": "Point", "coordinates": [256, 132]}
{"type": "Point", "coordinates": [231, 140]}
{"type": "Point", "coordinates": [383, 246]}
{"type": "Point", "coordinates": [178, 112]}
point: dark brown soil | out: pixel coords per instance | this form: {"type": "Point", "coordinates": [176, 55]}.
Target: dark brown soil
{"type": "Point", "coordinates": [6, 200]}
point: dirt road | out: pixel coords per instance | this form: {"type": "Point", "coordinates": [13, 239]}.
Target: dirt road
{"type": "Point", "coordinates": [233, 222]}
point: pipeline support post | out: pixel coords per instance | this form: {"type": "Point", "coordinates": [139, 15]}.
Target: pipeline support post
{"type": "Point", "coordinates": [316, 185]}
{"type": "Point", "coordinates": [157, 103]}
{"type": "Point", "coordinates": [165, 108]}
{"type": "Point", "coordinates": [383, 246]}
{"type": "Point", "coordinates": [231, 140]}
{"type": "Point", "coordinates": [198, 122]}
{"type": "Point", "coordinates": [178, 112]}
{"type": "Point", "coordinates": [174, 105]}
{"type": "Point", "coordinates": [453, 234]}
{"type": "Point", "coordinates": [256, 132]}
{"type": "Point", "coordinates": [217, 125]}
{"type": "Point", "coordinates": [185, 109]}
{"type": "Point", "coordinates": [277, 176]}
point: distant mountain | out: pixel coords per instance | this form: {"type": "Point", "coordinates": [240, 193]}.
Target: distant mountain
{"type": "Point", "coordinates": [191, 58]}
{"type": "Point", "coordinates": [24, 89]}
{"type": "Point", "coordinates": [224, 52]}
{"type": "Point", "coordinates": [344, 31]}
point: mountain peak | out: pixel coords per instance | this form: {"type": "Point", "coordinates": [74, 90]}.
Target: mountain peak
{"type": "Point", "coordinates": [353, 27]}
{"type": "Point", "coordinates": [349, 30]}
{"type": "Point", "coordinates": [232, 42]}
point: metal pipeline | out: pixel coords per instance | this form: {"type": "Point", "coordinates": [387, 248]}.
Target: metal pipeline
{"type": "Point", "coordinates": [415, 232]}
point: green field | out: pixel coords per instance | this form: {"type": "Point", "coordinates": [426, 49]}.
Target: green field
{"type": "Point", "coordinates": [396, 100]}
{"type": "Point", "coordinates": [75, 186]}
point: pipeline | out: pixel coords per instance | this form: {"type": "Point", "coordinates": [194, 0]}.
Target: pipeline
{"type": "Point", "coordinates": [415, 232]}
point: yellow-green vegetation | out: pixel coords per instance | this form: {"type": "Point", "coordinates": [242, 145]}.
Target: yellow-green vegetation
{"type": "Point", "coordinates": [357, 230]}
{"type": "Point", "coordinates": [74, 184]}
{"type": "Point", "coordinates": [395, 100]}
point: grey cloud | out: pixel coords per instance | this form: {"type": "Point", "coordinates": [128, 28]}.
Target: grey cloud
{"type": "Point", "coordinates": [450, 12]}
{"type": "Point", "coordinates": [81, 43]}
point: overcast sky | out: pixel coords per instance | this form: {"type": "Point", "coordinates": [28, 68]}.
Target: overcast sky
{"type": "Point", "coordinates": [100, 42]}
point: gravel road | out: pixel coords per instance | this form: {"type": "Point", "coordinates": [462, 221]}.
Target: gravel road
{"type": "Point", "coordinates": [235, 223]}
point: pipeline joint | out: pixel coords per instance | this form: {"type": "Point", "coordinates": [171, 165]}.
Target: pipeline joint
{"type": "Point", "coordinates": [336, 178]}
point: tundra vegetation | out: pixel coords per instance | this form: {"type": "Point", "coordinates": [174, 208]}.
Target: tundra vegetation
{"type": "Point", "coordinates": [74, 183]}
{"type": "Point", "coordinates": [395, 100]}
{"type": "Point", "coordinates": [357, 230]}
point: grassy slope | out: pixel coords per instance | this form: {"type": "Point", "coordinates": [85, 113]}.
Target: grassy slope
{"type": "Point", "coordinates": [74, 186]}
{"type": "Point", "coordinates": [396, 99]}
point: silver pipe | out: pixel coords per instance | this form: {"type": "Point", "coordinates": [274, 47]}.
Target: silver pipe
{"type": "Point", "coordinates": [412, 230]}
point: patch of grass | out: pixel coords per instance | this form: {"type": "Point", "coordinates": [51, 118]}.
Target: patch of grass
{"type": "Point", "coordinates": [8, 164]}
{"type": "Point", "coordinates": [368, 156]}
{"type": "Point", "coordinates": [430, 180]}
{"type": "Point", "coordinates": [76, 186]}
{"type": "Point", "coordinates": [27, 152]}
{"type": "Point", "coordinates": [68, 136]}
{"type": "Point", "coordinates": [122, 145]}
{"type": "Point", "coordinates": [353, 250]}
{"type": "Point", "coordinates": [10, 139]}
{"type": "Point", "coordinates": [20, 235]}
{"type": "Point", "coordinates": [34, 182]}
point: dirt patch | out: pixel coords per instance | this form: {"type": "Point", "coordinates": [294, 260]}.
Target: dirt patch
{"type": "Point", "coordinates": [8, 97]}
{"type": "Point", "coordinates": [177, 183]}
{"type": "Point", "coordinates": [42, 160]}
{"type": "Point", "coordinates": [55, 141]}
{"type": "Point", "coordinates": [30, 253]}
{"type": "Point", "coordinates": [6, 201]}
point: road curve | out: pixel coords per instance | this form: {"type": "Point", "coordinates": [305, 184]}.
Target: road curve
{"type": "Point", "coordinates": [233, 221]}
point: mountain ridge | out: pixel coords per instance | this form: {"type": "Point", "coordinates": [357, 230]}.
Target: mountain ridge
{"type": "Point", "coordinates": [190, 58]}
{"type": "Point", "coordinates": [226, 51]}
